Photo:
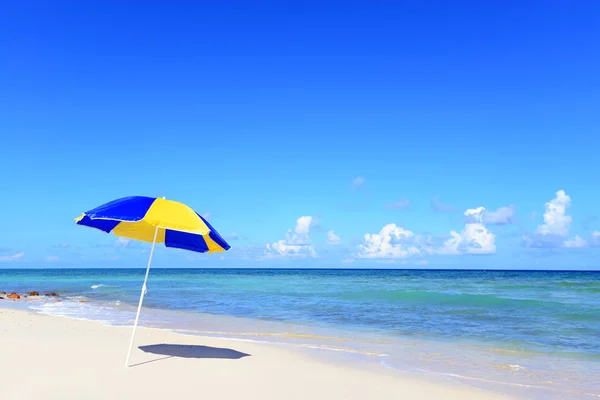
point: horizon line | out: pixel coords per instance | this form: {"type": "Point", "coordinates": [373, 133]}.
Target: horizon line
{"type": "Point", "coordinates": [312, 269]}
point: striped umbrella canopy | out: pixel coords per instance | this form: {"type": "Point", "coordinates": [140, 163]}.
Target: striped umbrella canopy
{"type": "Point", "coordinates": [154, 220]}
{"type": "Point", "coordinates": [151, 219]}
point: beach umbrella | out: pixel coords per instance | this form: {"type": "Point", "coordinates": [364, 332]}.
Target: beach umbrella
{"type": "Point", "coordinates": [154, 220]}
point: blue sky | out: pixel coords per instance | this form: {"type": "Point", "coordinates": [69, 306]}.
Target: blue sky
{"type": "Point", "coordinates": [332, 122]}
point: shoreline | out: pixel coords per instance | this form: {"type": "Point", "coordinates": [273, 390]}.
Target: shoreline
{"type": "Point", "coordinates": [59, 357]}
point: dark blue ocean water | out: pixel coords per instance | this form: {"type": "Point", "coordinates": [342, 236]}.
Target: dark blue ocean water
{"type": "Point", "coordinates": [530, 313]}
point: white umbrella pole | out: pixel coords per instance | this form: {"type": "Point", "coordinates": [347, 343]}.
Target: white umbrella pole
{"type": "Point", "coordinates": [137, 316]}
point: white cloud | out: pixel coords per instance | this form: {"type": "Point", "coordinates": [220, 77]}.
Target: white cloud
{"type": "Point", "coordinates": [576, 242]}
{"type": "Point", "coordinates": [595, 240]}
{"type": "Point", "coordinates": [52, 258]}
{"type": "Point", "coordinates": [396, 242]}
{"type": "Point", "coordinates": [556, 220]}
{"type": "Point", "coordinates": [332, 238]}
{"type": "Point", "coordinates": [502, 216]}
{"type": "Point", "coordinates": [296, 243]}
{"type": "Point", "coordinates": [404, 203]}
{"type": "Point", "coordinates": [391, 242]}
{"type": "Point", "coordinates": [14, 257]}
{"type": "Point", "coordinates": [556, 227]}
{"type": "Point", "coordinates": [301, 234]}
{"type": "Point", "coordinates": [122, 242]}
{"type": "Point", "coordinates": [282, 249]}
{"type": "Point", "coordinates": [473, 239]}
{"type": "Point", "coordinates": [358, 182]}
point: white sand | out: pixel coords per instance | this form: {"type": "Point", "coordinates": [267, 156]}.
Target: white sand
{"type": "Point", "coordinates": [58, 358]}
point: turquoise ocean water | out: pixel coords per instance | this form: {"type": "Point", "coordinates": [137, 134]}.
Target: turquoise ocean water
{"type": "Point", "coordinates": [525, 332]}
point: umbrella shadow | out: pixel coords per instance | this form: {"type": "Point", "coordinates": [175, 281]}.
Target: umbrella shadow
{"type": "Point", "coordinates": [190, 351]}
